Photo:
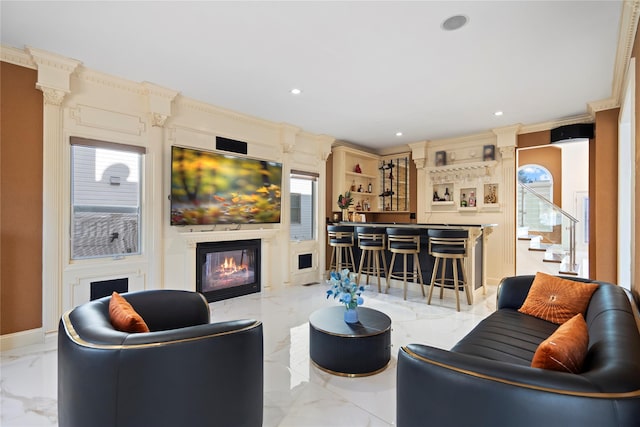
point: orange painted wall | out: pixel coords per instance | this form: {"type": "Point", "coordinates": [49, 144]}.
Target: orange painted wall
{"type": "Point", "coordinates": [603, 197]}
{"type": "Point", "coordinates": [20, 200]}
{"type": "Point", "coordinates": [551, 158]}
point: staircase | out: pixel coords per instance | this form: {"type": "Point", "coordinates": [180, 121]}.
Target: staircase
{"type": "Point", "coordinates": [546, 238]}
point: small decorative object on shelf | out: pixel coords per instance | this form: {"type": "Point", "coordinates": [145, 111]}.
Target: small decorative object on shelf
{"type": "Point", "coordinates": [441, 158]}
{"type": "Point", "coordinates": [353, 185]}
{"type": "Point", "coordinates": [490, 196]}
{"type": "Point", "coordinates": [344, 202]}
{"type": "Point", "coordinates": [357, 169]}
{"type": "Point", "coordinates": [489, 152]}
{"type": "Point", "coordinates": [436, 198]}
{"type": "Point", "coordinates": [472, 200]}
{"type": "Point", "coordinates": [348, 292]}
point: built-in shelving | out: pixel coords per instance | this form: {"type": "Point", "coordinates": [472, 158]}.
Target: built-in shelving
{"type": "Point", "coordinates": [355, 169]}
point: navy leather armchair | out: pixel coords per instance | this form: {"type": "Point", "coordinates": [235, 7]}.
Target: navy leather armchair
{"type": "Point", "coordinates": [184, 372]}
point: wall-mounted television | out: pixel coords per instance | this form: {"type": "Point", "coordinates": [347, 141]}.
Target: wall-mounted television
{"type": "Point", "coordinates": [214, 188]}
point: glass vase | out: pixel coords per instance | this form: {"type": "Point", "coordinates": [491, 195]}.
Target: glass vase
{"type": "Point", "coordinates": [351, 315]}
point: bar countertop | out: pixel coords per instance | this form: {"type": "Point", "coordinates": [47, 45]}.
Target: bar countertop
{"type": "Point", "coordinates": [417, 225]}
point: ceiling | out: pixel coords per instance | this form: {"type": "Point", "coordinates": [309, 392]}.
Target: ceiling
{"type": "Point", "coordinates": [366, 69]}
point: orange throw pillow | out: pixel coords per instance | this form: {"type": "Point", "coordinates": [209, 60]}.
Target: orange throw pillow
{"type": "Point", "coordinates": [557, 300]}
{"type": "Point", "coordinates": [123, 317]}
{"type": "Point", "coordinates": [566, 349]}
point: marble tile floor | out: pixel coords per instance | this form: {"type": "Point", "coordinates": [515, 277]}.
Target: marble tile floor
{"type": "Point", "coordinates": [295, 392]}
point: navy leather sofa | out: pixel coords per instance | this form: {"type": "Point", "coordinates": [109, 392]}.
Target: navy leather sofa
{"type": "Point", "coordinates": [486, 378]}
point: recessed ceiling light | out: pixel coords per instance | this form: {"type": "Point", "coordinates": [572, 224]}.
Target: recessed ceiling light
{"type": "Point", "coordinates": [398, 133]}
{"type": "Point", "coordinates": [498, 113]}
{"type": "Point", "coordinates": [454, 22]}
{"type": "Point", "coordinates": [296, 91]}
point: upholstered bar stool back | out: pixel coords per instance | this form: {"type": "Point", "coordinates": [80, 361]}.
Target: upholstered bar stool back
{"type": "Point", "coordinates": [371, 241]}
{"type": "Point", "coordinates": [340, 239]}
{"type": "Point", "coordinates": [405, 241]}
{"type": "Point", "coordinates": [449, 245]}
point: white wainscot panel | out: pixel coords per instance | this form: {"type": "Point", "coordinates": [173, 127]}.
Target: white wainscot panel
{"type": "Point", "coordinates": [80, 288]}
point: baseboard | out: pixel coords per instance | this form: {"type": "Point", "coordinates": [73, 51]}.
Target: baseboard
{"type": "Point", "coordinates": [21, 339]}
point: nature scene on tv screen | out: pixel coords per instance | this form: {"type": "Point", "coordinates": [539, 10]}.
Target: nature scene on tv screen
{"type": "Point", "coordinates": [211, 188]}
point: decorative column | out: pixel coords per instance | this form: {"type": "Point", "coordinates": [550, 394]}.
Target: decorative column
{"type": "Point", "coordinates": [159, 101]}
{"type": "Point", "coordinates": [324, 151]}
{"type": "Point", "coordinates": [419, 154]}
{"type": "Point", "coordinates": [54, 73]}
{"type": "Point", "coordinates": [288, 134]}
{"type": "Point", "coordinates": [507, 140]}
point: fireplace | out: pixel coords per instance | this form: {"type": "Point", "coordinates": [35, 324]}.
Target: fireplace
{"type": "Point", "coordinates": [228, 269]}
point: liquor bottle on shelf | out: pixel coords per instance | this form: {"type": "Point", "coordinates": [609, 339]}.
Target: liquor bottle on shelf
{"type": "Point", "coordinates": [436, 198]}
{"type": "Point", "coordinates": [463, 201]}
{"type": "Point", "coordinates": [472, 200]}
{"type": "Point", "coordinates": [360, 189]}
{"type": "Point", "coordinates": [447, 196]}
{"type": "Point", "coordinates": [353, 185]}
{"type": "Point", "coordinates": [370, 188]}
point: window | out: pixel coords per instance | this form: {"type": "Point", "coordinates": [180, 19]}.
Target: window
{"type": "Point", "coordinates": [106, 182]}
{"type": "Point", "coordinates": [302, 187]}
{"type": "Point", "coordinates": [296, 208]}
{"type": "Point", "coordinates": [532, 212]}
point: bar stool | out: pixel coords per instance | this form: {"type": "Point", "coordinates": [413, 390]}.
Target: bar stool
{"type": "Point", "coordinates": [371, 241]}
{"type": "Point", "coordinates": [341, 241]}
{"type": "Point", "coordinates": [405, 241]}
{"type": "Point", "coordinates": [444, 245]}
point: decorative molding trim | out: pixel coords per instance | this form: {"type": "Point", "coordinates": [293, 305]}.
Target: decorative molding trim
{"type": "Point", "coordinates": [203, 107]}
{"type": "Point", "coordinates": [507, 152]}
{"type": "Point", "coordinates": [602, 105]}
{"type": "Point", "coordinates": [22, 339]}
{"type": "Point", "coordinates": [420, 163]}
{"type": "Point", "coordinates": [54, 71]}
{"type": "Point", "coordinates": [461, 139]}
{"type": "Point", "coordinates": [159, 100]}
{"type": "Point", "coordinates": [507, 130]}
{"type": "Point", "coordinates": [99, 118]}
{"type": "Point", "coordinates": [288, 134]}
{"type": "Point", "coordinates": [112, 82]}
{"type": "Point", "coordinates": [194, 237]}
{"type": "Point", "coordinates": [538, 127]}
{"type": "Point", "coordinates": [325, 142]}
{"type": "Point", "coordinates": [52, 96]}
{"type": "Point", "coordinates": [158, 119]}
{"type": "Point", "coordinates": [159, 91]}
{"type": "Point", "coordinates": [17, 57]}
{"type": "Point", "coordinates": [52, 60]}
{"type": "Point", "coordinates": [626, 38]}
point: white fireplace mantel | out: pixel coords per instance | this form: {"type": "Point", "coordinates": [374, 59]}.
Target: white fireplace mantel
{"type": "Point", "coordinates": [194, 237]}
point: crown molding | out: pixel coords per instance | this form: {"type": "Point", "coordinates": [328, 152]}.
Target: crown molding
{"type": "Point", "coordinates": [539, 127]}
{"type": "Point", "coordinates": [107, 80]}
{"type": "Point", "coordinates": [17, 57]}
{"type": "Point", "coordinates": [203, 107]}
{"type": "Point", "coordinates": [603, 104]}
{"type": "Point", "coordinates": [626, 38]}
{"type": "Point", "coordinates": [462, 139]}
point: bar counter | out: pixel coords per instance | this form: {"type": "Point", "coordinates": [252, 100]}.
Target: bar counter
{"type": "Point", "coordinates": [476, 249]}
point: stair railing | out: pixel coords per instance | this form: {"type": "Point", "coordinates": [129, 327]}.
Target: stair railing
{"type": "Point", "coordinates": [572, 267]}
